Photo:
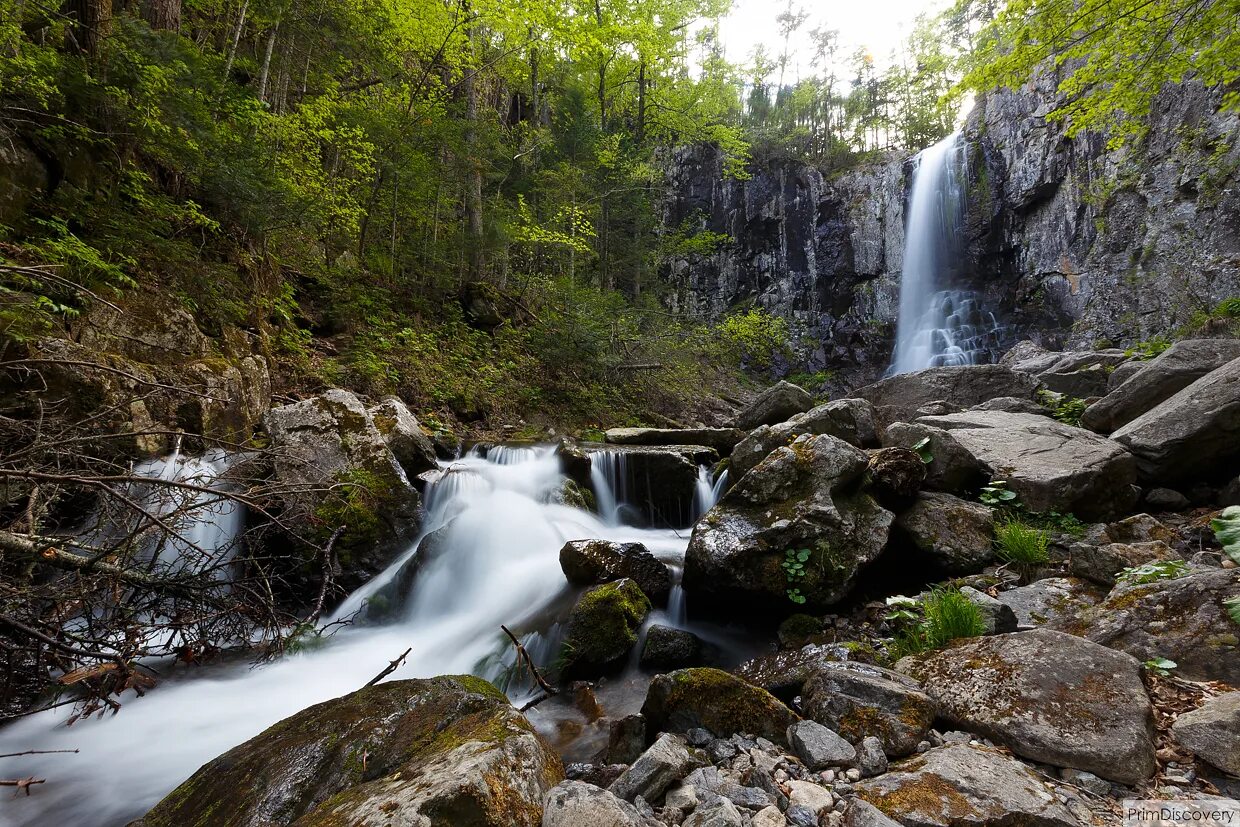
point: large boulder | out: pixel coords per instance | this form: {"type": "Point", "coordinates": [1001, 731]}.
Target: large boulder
{"type": "Point", "coordinates": [851, 420]}
{"type": "Point", "coordinates": [1102, 563]}
{"type": "Point", "coordinates": [1193, 434]}
{"type": "Point", "coordinates": [1049, 697]}
{"type": "Point", "coordinates": [964, 786]}
{"type": "Point", "coordinates": [952, 468]}
{"type": "Point", "coordinates": [1050, 465]}
{"type": "Point", "coordinates": [1082, 373]}
{"type": "Point", "coordinates": [860, 701]}
{"type": "Point", "coordinates": [590, 562]}
{"type": "Point", "coordinates": [1055, 602]}
{"type": "Point", "coordinates": [447, 750]}
{"type": "Point", "coordinates": [668, 648]}
{"type": "Point", "coordinates": [1156, 381]}
{"type": "Point", "coordinates": [722, 440]}
{"type": "Point", "coordinates": [1183, 619]}
{"type": "Point", "coordinates": [659, 481]}
{"type": "Point", "coordinates": [956, 534]}
{"type": "Point", "coordinates": [576, 803]}
{"type": "Point", "coordinates": [716, 701]}
{"type": "Point", "coordinates": [603, 626]}
{"type": "Point", "coordinates": [777, 403]}
{"type": "Point", "coordinates": [1212, 732]}
{"type": "Point", "coordinates": [784, 673]}
{"type": "Point", "coordinates": [403, 435]}
{"type": "Point", "coordinates": [898, 398]}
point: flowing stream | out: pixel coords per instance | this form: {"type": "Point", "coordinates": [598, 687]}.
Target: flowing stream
{"type": "Point", "coordinates": [498, 531]}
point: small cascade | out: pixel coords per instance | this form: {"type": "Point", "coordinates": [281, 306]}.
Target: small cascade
{"type": "Point", "coordinates": [708, 491]}
{"type": "Point", "coordinates": [609, 477]}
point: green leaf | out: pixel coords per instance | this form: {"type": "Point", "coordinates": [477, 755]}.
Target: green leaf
{"type": "Point", "coordinates": [803, 555]}
{"type": "Point", "coordinates": [1227, 531]}
{"type": "Point", "coordinates": [922, 449]}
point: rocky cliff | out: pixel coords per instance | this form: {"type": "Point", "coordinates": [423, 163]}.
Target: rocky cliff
{"type": "Point", "coordinates": [1068, 241]}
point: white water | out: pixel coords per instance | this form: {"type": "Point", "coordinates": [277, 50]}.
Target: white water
{"type": "Point", "coordinates": [937, 325]}
{"type": "Point", "coordinates": [499, 564]}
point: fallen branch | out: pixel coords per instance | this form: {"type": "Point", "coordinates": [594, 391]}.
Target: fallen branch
{"type": "Point", "coordinates": [22, 783]}
{"type": "Point", "coordinates": [390, 668]}
{"type": "Point", "coordinates": [524, 657]}
{"type": "Point", "coordinates": [325, 586]}
{"type": "Point", "coordinates": [37, 752]}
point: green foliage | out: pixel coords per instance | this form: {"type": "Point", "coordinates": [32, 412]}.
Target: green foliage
{"type": "Point", "coordinates": [996, 493]}
{"type": "Point", "coordinates": [1067, 523]}
{"type": "Point", "coordinates": [1148, 349]}
{"type": "Point", "coordinates": [943, 616]}
{"type": "Point", "coordinates": [922, 449]}
{"type": "Point", "coordinates": [1233, 609]}
{"type": "Point", "coordinates": [1159, 666]}
{"type": "Point", "coordinates": [793, 565]}
{"type": "Point", "coordinates": [1023, 547]}
{"type": "Point", "coordinates": [757, 337]}
{"type": "Point", "coordinates": [1226, 527]}
{"type": "Point", "coordinates": [1066, 409]}
{"type": "Point", "coordinates": [1152, 572]}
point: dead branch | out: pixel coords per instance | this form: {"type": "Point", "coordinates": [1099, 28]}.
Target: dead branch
{"type": "Point", "coordinates": [329, 560]}
{"type": "Point", "coordinates": [22, 784]}
{"type": "Point", "coordinates": [390, 668]}
{"type": "Point", "coordinates": [524, 657]}
{"type": "Point", "coordinates": [38, 752]}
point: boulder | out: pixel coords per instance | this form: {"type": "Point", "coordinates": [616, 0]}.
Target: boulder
{"type": "Point", "coordinates": [784, 673]}
{"type": "Point", "coordinates": [858, 701]}
{"type": "Point", "coordinates": [668, 648]}
{"type": "Point", "coordinates": [1193, 434]}
{"type": "Point", "coordinates": [1123, 373]}
{"type": "Point", "coordinates": [407, 752]}
{"type": "Point", "coordinates": [668, 760]}
{"type": "Point", "coordinates": [1081, 374]}
{"type": "Point", "coordinates": [659, 481]}
{"type": "Point", "coordinates": [819, 747]}
{"type": "Point", "coordinates": [1101, 564]}
{"type": "Point", "coordinates": [1212, 732]}
{"type": "Point", "coordinates": [777, 403]}
{"type": "Point", "coordinates": [590, 562]}
{"type": "Point", "coordinates": [957, 534]}
{"type": "Point", "coordinates": [722, 440]}
{"type": "Point", "coordinates": [576, 803]}
{"type": "Point", "coordinates": [1012, 404]}
{"type": "Point", "coordinates": [1139, 528]}
{"type": "Point", "coordinates": [998, 617]}
{"type": "Point", "coordinates": [1055, 602]}
{"type": "Point", "coordinates": [1049, 697]}
{"type": "Point", "coordinates": [898, 398]}
{"type": "Point", "coordinates": [1155, 381]}
{"type": "Point", "coordinates": [894, 475]}
{"type": "Point", "coordinates": [1183, 619]}
{"type": "Point", "coordinates": [715, 701]}
{"type": "Point", "coordinates": [861, 813]}
{"type": "Point", "coordinates": [801, 497]}
{"type": "Point", "coordinates": [952, 468]}
{"type": "Point", "coordinates": [721, 813]}
{"type": "Point", "coordinates": [1166, 499]}
{"type": "Point", "coordinates": [851, 420]}
{"type": "Point", "coordinates": [403, 435]}
{"type": "Point", "coordinates": [603, 626]}
{"type": "Point", "coordinates": [1051, 466]}
{"type": "Point", "coordinates": [958, 785]}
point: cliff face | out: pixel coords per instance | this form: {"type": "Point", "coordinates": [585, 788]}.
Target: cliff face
{"type": "Point", "coordinates": [1066, 242]}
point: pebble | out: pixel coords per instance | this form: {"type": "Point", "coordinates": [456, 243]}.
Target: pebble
{"type": "Point", "coordinates": [699, 737]}
{"type": "Point", "coordinates": [853, 774]}
{"type": "Point", "coordinates": [923, 746]}
{"type": "Point", "coordinates": [827, 776]}
{"type": "Point", "coordinates": [799, 816]}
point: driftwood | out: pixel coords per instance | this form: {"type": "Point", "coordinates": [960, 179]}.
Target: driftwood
{"type": "Point", "coordinates": [390, 668]}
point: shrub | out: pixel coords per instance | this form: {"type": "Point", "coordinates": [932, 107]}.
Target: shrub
{"type": "Point", "coordinates": [1066, 409]}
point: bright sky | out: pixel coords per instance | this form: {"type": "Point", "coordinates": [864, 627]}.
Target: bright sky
{"type": "Point", "coordinates": [879, 25]}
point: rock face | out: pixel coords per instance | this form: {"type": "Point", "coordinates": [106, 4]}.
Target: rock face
{"type": "Point", "coordinates": [860, 701]}
{"type": "Point", "coordinates": [777, 403]}
{"type": "Point", "coordinates": [952, 468]}
{"type": "Point", "coordinates": [716, 701]}
{"type": "Point", "coordinates": [1050, 697]}
{"type": "Point", "coordinates": [898, 398]}
{"type": "Point", "coordinates": [722, 440]}
{"type": "Point", "coordinates": [1051, 466]}
{"type": "Point", "coordinates": [603, 626]}
{"type": "Point", "coordinates": [957, 534]}
{"type": "Point", "coordinates": [441, 750]}
{"type": "Point", "coordinates": [404, 437]}
{"type": "Point", "coordinates": [1212, 732]}
{"type": "Point", "coordinates": [800, 497]}
{"type": "Point", "coordinates": [963, 785]}
{"type": "Point", "coordinates": [1156, 381]}
{"type": "Point", "coordinates": [851, 420]}
{"type": "Point", "coordinates": [1191, 435]}
{"type": "Point", "coordinates": [590, 562]}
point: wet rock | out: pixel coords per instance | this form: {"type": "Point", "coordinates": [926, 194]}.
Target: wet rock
{"type": "Point", "coordinates": [575, 803]}
{"type": "Point", "coordinates": [660, 481]}
{"type": "Point", "coordinates": [716, 701]}
{"type": "Point", "coordinates": [960, 784]}
{"type": "Point", "coordinates": [1051, 466]}
{"type": "Point", "coordinates": [784, 673]}
{"type": "Point", "coordinates": [668, 648]}
{"type": "Point", "coordinates": [801, 496]}
{"type": "Point", "coordinates": [1212, 732]}
{"type": "Point", "coordinates": [667, 761]}
{"type": "Point", "coordinates": [1049, 697]}
{"type": "Point", "coordinates": [448, 745]}
{"type": "Point", "coordinates": [404, 437]}
{"type": "Point", "coordinates": [858, 701]}
{"type": "Point", "coordinates": [957, 534]}
{"type": "Point", "coordinates": [1192, 434]}
{"type": "Point", "coordinates": [851, 420]}
{"type": "Point", "coordinates": [897, 398]}
{"type": "Point", "coordinates": [1166, 499]}
{"type": "Point", "coordinates": [603, 626]}
{"type": "Point", "coordinates": [722, 440]}
{"type": "Point", "coordinates": [819, 747]}
{"type": "Point", "coordinates": [1055, 602]}
{"type": "Point", "coordinates": [998, 617]}
{"type": "Point", "coordinates": [894, 475]}
{"type": "Point", "coordinates": [1152, 383]}
{"type": "Point", "coordinates": [952, 467]}
{"type": "Point", "coordinates": [590, 562]}
{"type": "Point", "coordinates": [626, 739]}
{"type": "Point", "coordinates": [1101, 564]}
{"type": "Point", "coordinates": [778, 403]}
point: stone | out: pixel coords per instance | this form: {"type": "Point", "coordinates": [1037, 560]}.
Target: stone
{"type": "Point", "coordinates": [861, 813]}
{"type": "Point", "coordinates": [952, 468]}
{"type": "Point", "coordinates": [626, 739]}
{"type": "Point", "coordinates": [1051, 466]}
{"type": "Point", "coordinates": [720, 814]}
{"type": "Point", "coordinates": [714, 700]}
{"type": "Point", "coordinates": [769, 817]}
{"type": "Point", "coordinates": [666, 761]}
{"type": "Point", "coordinates": [851, 420]}
{"type": "Point", "coordinates": [1086, 781]}
{"type": "Point", "coordinates": [871, 760]}
{"type": "Point", "coordinates": [1049, 697]}
{"type": "Point", "coordinates": [1012, 404]}
{"type": "Point", "coordinates": [436, 746]}
{"type": "Point", "coordinates": [798, 815]}
{"type": "Point", "coordinates": [1101, 564]}
{"type": "Point", "coordinates": [666, 648]}
{"type": "Point", "coordinates": [1079, 374]}
{"type": "Point", "coordinates": [897, 398]}
{"type": "Point", "coordinates": [819, 747]}
{"type": "Point", "coordinates": [956, 534]}
{"type": "Point", "coordinates": [1212, 732]}
{"type": "Point", "coordinates": [784, 673]}
{"type": "Point", "coordinates": [722, 440]}
{"type": "Point", "coordinates": [858, 700]}
{"type": "Point", "coordinates": [1190, 435]}
{"type": "Point", "coordinates": [964, 785]}
{"type": "Point", "coordinates": [590, 562]}
{"type": "Point", "coordinates": [1152, 383]}
{"type": "Point", "coordinates": [1166, 499]}
{"type": "Point", "coordinates": [801, 496]}
{"type": "Point", "coordinates": [1056, 602]}
{"type": "Point", "coordinates": [404, 437]}
{"type": "Point", "coordinates": [1139, 528]}
{"type": "Point", "coordinates": [575, 803]}
{"type": "Point", "coordinates": [603, 626]}
{"type": "Point", "coordinates": [894, 475]}
{"type": "Point", "coordinates": [998, 617]}
{"type": "Point", "coordinates": [811, 796]}
{"type": "Point", "coordinates": [778, 403]}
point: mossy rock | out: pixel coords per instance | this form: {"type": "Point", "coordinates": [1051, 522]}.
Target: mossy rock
{"type": "Point", "coordinates": [717, 701]}
{"type": "Point", "coordinates": [603, 626]}
{"type": "Point", "coordinates": [448, 749]}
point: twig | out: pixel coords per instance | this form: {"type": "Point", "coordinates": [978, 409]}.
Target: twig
{"type": "Point", "coordinates": [524, 656]}
{"type": "Point", "coordinates": [37, 752]}
{"type": "Point", "coordinates": [22, 783]}
{"type": "Point", "coordinates": [390, 668]}
{"type": "Point", "coordinates": [327, 574]}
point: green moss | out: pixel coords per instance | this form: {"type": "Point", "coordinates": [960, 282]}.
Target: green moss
{"type": "Point", "coordinates": [604, 624]}
{"type": "Point", "coordinates": [717, 701]}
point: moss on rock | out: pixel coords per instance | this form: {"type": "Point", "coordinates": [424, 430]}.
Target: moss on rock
{"type": "Point", "coordinates": [717, 701]}
{"type": "Point", "coordinates": [603, 626]}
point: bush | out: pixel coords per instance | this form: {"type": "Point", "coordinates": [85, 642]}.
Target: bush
{"type": "Point", "coordinates": [757, 337]}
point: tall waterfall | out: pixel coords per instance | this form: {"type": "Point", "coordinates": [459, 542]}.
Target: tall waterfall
{"type": "Point", "coordinates": [938, 325]}
{"type": "Point", "coordinates": [498, 536]}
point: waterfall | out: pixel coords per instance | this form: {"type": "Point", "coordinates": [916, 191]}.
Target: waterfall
{"type": "Point", "coordinates": [609, 477]}
{"type": "Point", "coordinates": [708, 491]}
{"type": "Point", "coordinates": [938, 325]}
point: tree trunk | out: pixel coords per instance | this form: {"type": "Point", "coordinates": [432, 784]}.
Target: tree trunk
{"type": "Point", "coordinates": [163, 15]}
{"type": "Point", "coordinates": [236, 38]}
{"type": "Point", "coordinates": [641, 103]}
{"type": "Point", "coordinates": [91, 21]}
{"type": "Point", "coordinates": [473, 176]}
{"type": "Point", "coordinates": [265, 73]}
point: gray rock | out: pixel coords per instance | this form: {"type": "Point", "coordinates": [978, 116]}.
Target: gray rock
{"type": "Point", "coordinates": [894, 475]}
{"type": "Point", "coordinates": [1101, 564]}
{"type": "Point", "coordinates": [858, 700]}
{"type": "Point", "coordinates": [575, 803]}
{"type": "Point", "coordinates": [861, 813]}
{"type": "Point", "coordinates": [1212, 732]}
{"type": "Point", "coordinates": [668, 760]}
{"type": "Point", "coordinates": [1056, 602]}
{"type": "Point", "coordinates": [871, 759]}
{"type": "Point", "coordinates": [1049, 697]}
{"type": "Point", "coordinates": [603, 626]}
{"type": "Point", "coordinates": [590, 562]}
{"type": "Point", "coordinates": [720, 814]}
{"type": "Point", "coordinates": [970, 785]}
{"type": "Point", "coordinates": [851, 420]}
{"type": "Point", "coordinates": [819, 747]}
{"type": "Point", "coordinates": [769, 817]}
{"type": "Point", "coordinates": [666, 647]}
{"type": "Point", "coordinates": [784, 673]}
{"type": "Point", "coordinates": [1050, 465]}
{"type": "Point", "coordinates": [717, 701]}
{"type": "Point", "coordinates": [1166, 499]}
{"type": "Point", "coordinates": [660, 481]}
{"type": "Point", "coordinates": [1012, 404]}
{"type": "Point", "coordinates": [404, 437]}
{"type": "Point", "coordinates": [626, 739]}
{"type": "Point", "coordinates": [998, 617]}
{"type": "Point", "coordinates": [778, 403]}
{"type": "Point", "coordinates": [722, 440]}
{"type": "Point", "coordinates": [1191, 435]}
{"type": "Point", "coordinates": [952, 467]}
{"type": "Point", "coordinates": [1080, 374]}
{"type": "Point", "coordinates": [1153, 382]}
{"type": "Point", "coordinates": [957, 534]}
{"type": "Point", "coordinates": [1123, 373]}
{"type": "Point", "coordinates": [799, 815]}
{"type": "Point", "coordinates": [1086, 781]}
{"type": "Point", "coordinates": [897, 398]}
{"type": "Point", "coordinates": [1229, 494]}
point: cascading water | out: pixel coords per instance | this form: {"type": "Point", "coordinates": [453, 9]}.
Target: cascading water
{"type": "Point", "coordinates": [499, 532]}
{"type": "Point", "coordinates": [938, 326]}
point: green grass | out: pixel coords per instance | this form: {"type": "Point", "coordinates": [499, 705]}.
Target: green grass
{"type": "Point", "coordinates": [1023, 547]}
{"type": "Point", "coordinates": [947, 615]}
